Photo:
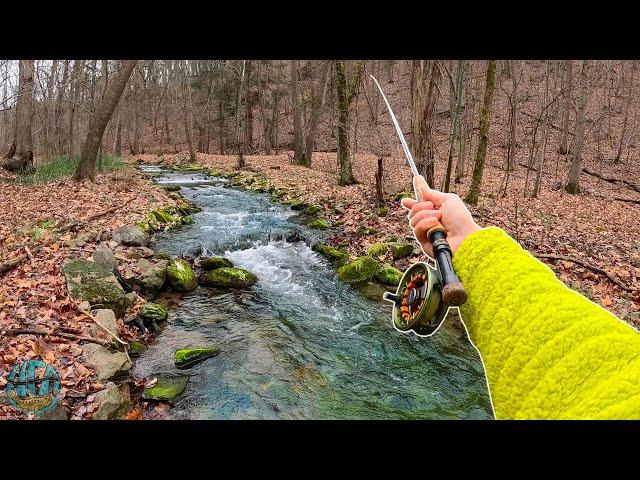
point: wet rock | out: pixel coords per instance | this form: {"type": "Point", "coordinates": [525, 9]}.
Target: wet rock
{"type": "Point", "coordinates": [318, 224]}
{"type": "Point", "coordinates": [104, 256]}
{"type": "Point", "coordinates": [336, 256]}
{"type": "Point", "coordinates": [94, 283]}
{"type": "Point", "coordinates": [107, 318]}
{"type": "Point", "coordinates": [130, 235]}
{"type": "Point", "coordinates": [106, 363]}
{"type": "Point", "coordinates": [229, 278]}
{"type": "Point", "coordinates": [372, 291]}
{"type": "Point", "coordinates": [388, 275]}
{"type": "Point", "coordinates": [189, 357]}
{"type": "Point", "coordinates": [172, 188]}
{"type": "Point", "coordinates": [400, 249]}
{"type": "Point", "coordinates": [181, 276]}
{"type": "Point", "coordinates": [297, 205]}
{"type": "Point", "coordinates": [153, 312]}
{"type": "Point", "coordinates": [113, 402]}
{"type": "Point", "coordinates": [137, 348]}
{"type": "Point", "coordinates": [212, 263]}
{"type": "Point", "coordinates": [360, 270]}
{"type": "Point", "coordinates": [154, 276]}
{"type": "Point", "coordinates": [166, 390]}
{"type": "Point", "coordinates": [377, 249]}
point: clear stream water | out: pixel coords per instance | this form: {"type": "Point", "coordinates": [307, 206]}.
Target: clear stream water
{"type": "Point", "coordinates": [299, 344]}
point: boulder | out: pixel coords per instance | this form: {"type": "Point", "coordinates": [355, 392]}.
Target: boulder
{"type": "Point", "coordinates": [107, 318]}
{"type": "Point", "coordinates": [103, 255]}
{"type": "Point", "coordinates": [212, 263]}
{"type": "Point", "coordinates": [113, 402]}
{"type": "Point", "coordinates": [166, 389]}
{"type": "Point", "coordinates": [388, 275]}
{"type": "Point", "coordinates": [106, 363]}
{"type": "Point", "coordinates": [189, 357]}
{"type": "Point", "coordinates": [336, 256]}
{"type": "Point", "coordinates": [360, 270]}
{"type": "Point", "coordinates": [130, 235]}
{"type": "Point", "coordinates": [154, 276]}
{"type": "Point", "coordinates": [94, 283]}
{"type": "Point", "coordinates": [181, 276]}
{"type": "Point", "coordinates": [227, 277]}
{"type": "Point", "coordinates": [400, 249]}
{"type": "Point", "coordinates": [153, 312]}
{"type": "Point", "coordinates": [377, 249]}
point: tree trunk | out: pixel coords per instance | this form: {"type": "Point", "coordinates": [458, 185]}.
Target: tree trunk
{"type": "Point", "coordinates": [573, 180]}
{"type": "Point", "coordinates": [567, 108]}
{"type": "Point", "coordinates": [240, 139]}
{"type": "Point", "coordinates": [625, 121]}
{"type": "Point", "coordinates": [316, 109]}
{"type": "Point", "coordinates": [455, 122]}
{"type": "Point", "coordinates": [425, 79]}
{"type": "Point", "coordinates": [87, 166]}
{"type": "Point", "coordinates": [75, 95]}
{"type": "Point", "coordinates": [117, 144]}
{"type": "Point", "coordinates": [478, 167]}
{"type": "Point", "coordinates": [346, 90]}
{"type": "Point", "coordinates": [24, 114]}
{"type": "Point", "coordinates": [299, 153]}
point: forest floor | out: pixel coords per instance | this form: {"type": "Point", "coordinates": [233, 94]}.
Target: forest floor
{"type": "Point", "coordinates": [592, 227]}
{"type": "Point", "coordinates": [33, 294]}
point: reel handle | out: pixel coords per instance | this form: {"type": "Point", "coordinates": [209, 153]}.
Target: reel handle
{"type": "Point", "coordinates": [453, 292]}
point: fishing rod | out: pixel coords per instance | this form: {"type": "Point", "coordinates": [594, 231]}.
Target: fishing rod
{"type": "Point", "coordinates": [424, 294]}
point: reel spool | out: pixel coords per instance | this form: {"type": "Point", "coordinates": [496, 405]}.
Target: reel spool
{"type": "Point", "coordinates": [417, 303]}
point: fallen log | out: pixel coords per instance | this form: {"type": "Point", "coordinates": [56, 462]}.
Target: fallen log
{"type": "Point", "coordinates": [632, 186]}
{"type": "Point", "coordinates": [13, 262]}
{"type": "Point", "coordinates": [582, 263]}
{"type": "Point", "coordinates": [56, 333]}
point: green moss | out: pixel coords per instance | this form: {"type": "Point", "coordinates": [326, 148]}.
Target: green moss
{"type": "Point", "coordinates": [153, 312]}
{"type": "Point", "coordinates": [298, 205]}
{"type": "Point", "coordinates": [377, 249]}
{"type": "Point", "coordinates": [388, 275]}
{"type": "Point", "coordinates": [181, 276]}
{"type": "Point", "coordinates": [400, 249]}
{"type": "Point", "coordinates": [229, 277]}
{"type": "Point", "coordinates": [162, 216]}
{"type": "Point", "coordinates": [336, 256]}
{"type": "Point", "coordinates": [137, 348]}
{"type": "Point", "coordinates": [360, 270]}
{"type": "Point", "coordinates": [144, 226]}
{"type": "Point", "coordinates": [318, 224]}
{"type": "Point", "coordinates": [172, 188]}
{"type": "Point", "coordinates": [166, 389]}
{"type": "Point", "coordinates": [187, 220]}
{"type": "Point", "coordinates": [313, 209]}
{"type": "Point", "coordinates": [383, 212]}
{"type": "Point", "coordinates": [188, 357]}
{"type": "Point", "coordinates": [94, 283]}
{"type": "Point", "coordinates": [401, 195]}
{"type": "Point", "coordinates": [47, 223]}
{"type": "Point", "coordinates": [163, 256]}
{"type": "Point", "coordinates": [212, 263]}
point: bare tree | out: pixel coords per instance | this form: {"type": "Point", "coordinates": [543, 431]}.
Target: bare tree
{"type": "Point", "coordinates": [575, 154]}
{"type": "Point", "coordinates": [347, 87]}
{"type": "Point", "coordinates": [567, 107]}
{"type": "Point", "coordinates": [22, 160]}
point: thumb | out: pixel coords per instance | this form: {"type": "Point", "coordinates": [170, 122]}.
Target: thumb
{"type": "Point", "coordinates": [424, 193]}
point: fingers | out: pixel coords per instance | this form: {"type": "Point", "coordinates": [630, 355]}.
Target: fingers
{"type": "Point", "coordinates": [418, 207]}
{"type": "Point", "coordinates": [422, 227]}
{"type": "Point", "coordinates": [423, 214]}
{"type": "Point", "coordinates": [408, 203]}
{"type": "Point", "coordinates": [427, 193]}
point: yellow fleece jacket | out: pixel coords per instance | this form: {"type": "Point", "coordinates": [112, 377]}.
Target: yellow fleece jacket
{"type": "Point", "coordinates": [548, 352]}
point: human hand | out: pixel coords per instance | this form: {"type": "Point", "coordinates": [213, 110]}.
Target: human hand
{"type": "Point", "coordinates": [446, 208]}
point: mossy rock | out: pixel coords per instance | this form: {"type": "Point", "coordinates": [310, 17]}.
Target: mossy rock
{"type": "Point", "coordinates": [212, 263]}
{"type": "Point", "coordinates": [153, 312]}
{"type": "Point", "coordinates": [400, 249]}
{"type": "Point", "coordinates": [163, 256]}
{"type": "Point", "coordinates": [360, 270]}
{"type": "Point", "coordinates": [187, 220]}
{"type": "Point", "coordinates": [94, 283]}
{"type": "Point", "coordinates": [144, 226]}
{"type": "Point", "coordinates": [313, 209]}
{"type": "Point", "coordinates": [318, 224]}
{"type": "Point", "coordinates": [162, 216]}
{"type": "Point", "coordinates": [335, 255]}
{"type": "Point", "coordinates": [181, 276]}
{"type": "Point", "coordinates": [388, 275]}
{"type": "Point", "coordinates": [188, 208]}
{"type": "Point", "coordinates": [166, 390]}
{"type": "Point", "coordinates": [137, 348]}
{"type": "Point", "coordinates": [172, 188]}
{"type": "Point", "coordinates": [228, 277]}
{"type": "Point", "coordinates": [299, 205]}
{"type": "Point", "coordinates": [377, 249]}
{"type": "Point", "coordinates": [189, 357]}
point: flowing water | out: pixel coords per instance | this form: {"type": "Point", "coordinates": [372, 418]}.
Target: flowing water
{"type": "Point", "coordinates": [299, 343]}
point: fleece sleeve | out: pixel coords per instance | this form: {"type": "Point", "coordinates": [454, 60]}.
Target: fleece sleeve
{"type": "Point", "coordinates": [548, 352]}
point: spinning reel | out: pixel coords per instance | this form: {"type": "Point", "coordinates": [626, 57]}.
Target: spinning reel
{"type": "Point", "coordinates": [417, 304]}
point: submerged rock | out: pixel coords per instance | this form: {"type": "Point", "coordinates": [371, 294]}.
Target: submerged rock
{"type": "Point", "coordinates": [113, 402]}
{"type": "Point", "coordinates": [212, 263]}
{"type": "Point", "coordinates": [181, 276]}
{"type": "Point", "coordinates": [94, 283]}
{"type": "Point", "coordinates": [166, 389]}
{"type": "Point", "coordinates": [189, 357]}
{"type": "Point", "coordinates": [153, 312]}
{"type": "Point", "coordinates": [130, 235]}
{"type": "Point", "coordinates": [319, 224]}
{"type": "Point", "coordinates": [229, 277]}
{"type": "Point", "coordinates": [377, 249]}
{"type": "Point", "coordinates": [137, 348]}
{"type": "Point", "coordinates": [400, 249]}
{"type": "Point", "coordinates": [388, 275]}
{"type": "Point", "coordinates": [336, 256]}
{"type": "Point", "coordinates": [360, 270]}
{"type": "Point", "coordinates": [106, 363]}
